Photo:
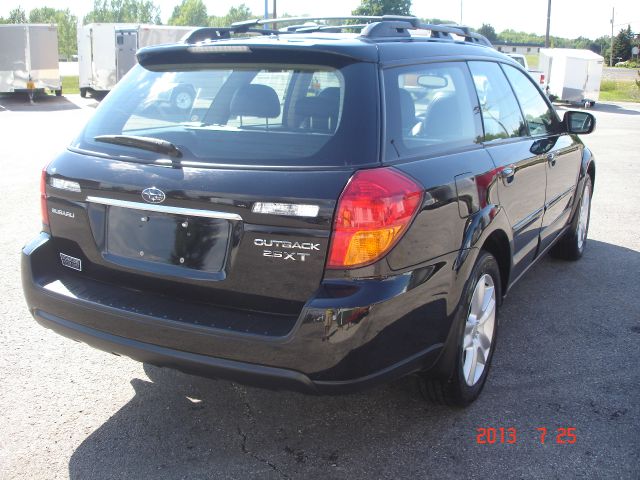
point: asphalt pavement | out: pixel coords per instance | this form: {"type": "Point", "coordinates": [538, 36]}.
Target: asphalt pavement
{"type": "Point", "coordinates": [567, 357]}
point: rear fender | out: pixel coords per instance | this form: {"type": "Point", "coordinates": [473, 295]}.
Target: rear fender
{"type": "Point", "coordinates": [588, 163]}
{"type": "Point", "coordinates": [479, 228]}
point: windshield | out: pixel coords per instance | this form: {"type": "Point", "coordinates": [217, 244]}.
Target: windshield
{"type": "Point", "coordinates": [243, 114]}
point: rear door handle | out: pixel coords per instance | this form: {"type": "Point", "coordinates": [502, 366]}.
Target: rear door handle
{"type": "Point", "coordinates": [551, 158]}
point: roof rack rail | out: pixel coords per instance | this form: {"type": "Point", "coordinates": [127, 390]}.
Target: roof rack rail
{"type": "Point", "coordinates": [397, 26]}
{"type": "Point", "coordinates": [266, 21]}
{"type": "Point", "coordinates": [325, 28]}
{"type": "Point", "coordinates": [256, 26]}
{"type": "Point", "coordinates": [379, 26]}
{"type": "Point", "coordinates": [337, 28]}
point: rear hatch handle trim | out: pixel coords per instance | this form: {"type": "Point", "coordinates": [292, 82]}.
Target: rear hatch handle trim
{"type": "Point", "coordinates": [188, 212]}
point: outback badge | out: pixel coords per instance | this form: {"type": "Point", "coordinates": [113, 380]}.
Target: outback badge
{"type": "Point", "coordinates": [153, 195]}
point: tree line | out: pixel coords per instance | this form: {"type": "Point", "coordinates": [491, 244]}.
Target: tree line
{"type": "Point", "coordinates": [622, 43]}
{"type": "Point", "coordinates": [194, 13]}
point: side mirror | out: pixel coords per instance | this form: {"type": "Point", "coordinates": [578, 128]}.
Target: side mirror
{"type": "Point", "coordinates": [579, 122]}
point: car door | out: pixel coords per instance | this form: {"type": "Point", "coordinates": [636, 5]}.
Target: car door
{"type": "Point", "coordinates": [522, 170]}
{"type": "Point", "coordinates": [562, 152]}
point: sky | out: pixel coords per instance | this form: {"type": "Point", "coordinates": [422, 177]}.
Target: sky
{"type": "Point", "coordinates": [569, 18]}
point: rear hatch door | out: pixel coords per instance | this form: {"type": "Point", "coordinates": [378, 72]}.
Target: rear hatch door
{"type": "Point", "coordinates": [238, 210]}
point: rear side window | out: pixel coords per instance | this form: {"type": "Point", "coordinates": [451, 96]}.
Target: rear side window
{"type": "Point", "coordinates": [537, 113]}
{"type": "Point", "coordinates": [500, 110]}
{"type": "Point", "coordinates": [245, 114]}
{"type": "Point", "coordinates": [430, 108]}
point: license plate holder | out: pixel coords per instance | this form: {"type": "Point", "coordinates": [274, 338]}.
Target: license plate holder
{"type": "Point", "coordinates": [196, 243]}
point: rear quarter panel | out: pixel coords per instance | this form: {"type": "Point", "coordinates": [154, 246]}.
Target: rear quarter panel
{"type": "Point", "coordinates": [457, 187]}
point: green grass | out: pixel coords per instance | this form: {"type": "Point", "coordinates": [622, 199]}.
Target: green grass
{"type": "Point", "coordinates": [619, 91]}
{"type": "Point", "coordinates": [70, 85]}
{"type": "Point", "coordinates": [532, 60]}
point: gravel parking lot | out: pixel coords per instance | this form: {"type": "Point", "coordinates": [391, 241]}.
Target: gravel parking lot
{"type": "Point", "coordinates": [567, 356]}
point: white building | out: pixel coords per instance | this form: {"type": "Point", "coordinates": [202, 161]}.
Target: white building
{"type": "Point", "coordinates": [515, 47]}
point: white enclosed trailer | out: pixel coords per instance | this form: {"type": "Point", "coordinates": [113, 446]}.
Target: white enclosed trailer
{"type": "Point", "coordinates": [572, 75]}
{"type": "Point", "coordinates": [29, 58]}
{"type": "Point", "coordinates": [107, 51]}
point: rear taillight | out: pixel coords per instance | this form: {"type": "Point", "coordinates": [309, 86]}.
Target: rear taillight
{"type": "Point", "coordinates": [44, 212]}
{"type": "Point", "coordinates": [542, 79]}
{"type": "Point", "coordinates": [373, 212]}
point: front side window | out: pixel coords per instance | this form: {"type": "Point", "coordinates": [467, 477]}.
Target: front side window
{"type": "Point", "coordinates": [537, 113]}
{"type": "Point", "coordinates": [430, 108]}
{"type": "Point", "coordinates": [500, 110]}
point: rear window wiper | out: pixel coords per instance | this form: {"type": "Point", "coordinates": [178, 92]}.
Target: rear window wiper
{"type": "Point", "coordinates": [144, 143]}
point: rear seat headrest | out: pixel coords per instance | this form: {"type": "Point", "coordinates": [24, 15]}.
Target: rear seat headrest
{"type": "Point", "coordinates": [315, 113]}
{"type": "Point", "coordinates": [255, 100]}
{"type": "Point", "coordinates": [313, 106]}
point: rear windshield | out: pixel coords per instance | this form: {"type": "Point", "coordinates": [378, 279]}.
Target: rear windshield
{"type": "Point", "coordinates": [247, 114]}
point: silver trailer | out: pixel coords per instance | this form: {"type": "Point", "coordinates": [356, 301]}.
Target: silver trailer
{"type": "Point", "coordinates": [107, 51]}
{"type": "Point", "coordinates": [29, 58]}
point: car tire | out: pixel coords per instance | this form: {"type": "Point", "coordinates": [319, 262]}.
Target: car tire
{"type": "Point", "coordinates": [83, 92]}
{"type": "Point", "coordinates": [573, 243]}
{"type": "Point", "coordinates": [182, 99]}
{"type": "Point", "coordinates": [475, 339]}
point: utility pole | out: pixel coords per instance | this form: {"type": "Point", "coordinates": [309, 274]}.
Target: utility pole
{"type": "Point", "coordinates": [460, 12]}
{"type": "Point", "coordinates": [275, 15]}
{"type": "Point", "coordinates": [547, 44]}
{"type": "Point", "coordinates": [613, 14]}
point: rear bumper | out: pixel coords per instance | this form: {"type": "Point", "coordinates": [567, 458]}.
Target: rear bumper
{"type": "Point", "coordinates": [258, 375]}
{"type": "Point", "coordinates": [337, 345]}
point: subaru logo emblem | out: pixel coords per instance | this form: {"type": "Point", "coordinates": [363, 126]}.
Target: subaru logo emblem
{"type": "Point", "coordinates": [153, 195]}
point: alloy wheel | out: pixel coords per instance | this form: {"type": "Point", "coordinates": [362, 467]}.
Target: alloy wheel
{"type": "Point", "coordinates": [583, 220]}
{"type": "Point", "coordinates": [479, 330]}
{"type": "Point", "coordinates": [183, 100]}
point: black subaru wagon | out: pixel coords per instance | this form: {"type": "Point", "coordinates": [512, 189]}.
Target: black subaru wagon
{"type": "Point", "coordinates": [316, 208]}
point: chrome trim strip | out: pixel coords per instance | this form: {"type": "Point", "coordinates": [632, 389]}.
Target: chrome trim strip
{"type": "Point", "coordinates": [557, 198]}
{"type": "Point", "coordinates": [189, 212]}
{"type": "Point", "coordinates": [528, 220]}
